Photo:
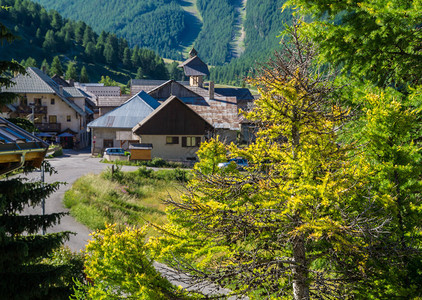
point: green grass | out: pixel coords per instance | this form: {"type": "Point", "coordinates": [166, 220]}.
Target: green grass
{"type": "Point", "coordinates": [125, 198]}
{"type": "Point", "coordinates": [155, 162]}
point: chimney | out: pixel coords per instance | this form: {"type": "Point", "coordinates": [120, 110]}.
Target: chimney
{"type": "Point", "coordinates": [44, 69]}
{"type": "Point", "coordinates": [61, 90]}
{"type": "Point", "coordinates": [71, 82]}
{"type": "Point", "coordinates": [211, 90]}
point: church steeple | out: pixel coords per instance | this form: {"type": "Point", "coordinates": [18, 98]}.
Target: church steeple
{"type": "Point", "coordinates": [193, 53]}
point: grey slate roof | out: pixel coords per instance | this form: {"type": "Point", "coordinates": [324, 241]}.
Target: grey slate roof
{"type": "Point", "coordinates": [74, 92]}
{"type": "Point", "coordinates": [36, 82]}
{"type": "Point", "coordinates": [194, 66]}
{"type": "Point", "coordinates": [128, 114]}
{"type": "Point", "coordinates": [111, 101]}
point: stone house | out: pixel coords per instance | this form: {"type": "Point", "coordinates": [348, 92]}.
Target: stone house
{"type": "Point", "coordinates": [62, 112]}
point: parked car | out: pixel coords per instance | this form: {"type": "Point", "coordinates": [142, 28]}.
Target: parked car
{"type": "Point", "coordinates": [240, 163]}
{"type": "Point", "coordinates": [114, 151]}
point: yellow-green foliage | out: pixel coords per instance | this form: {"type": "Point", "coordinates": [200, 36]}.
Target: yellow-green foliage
{"type": "Point", "coordinates": [117, 266]}
{"type": "Point", "coordinates": [300, 185]}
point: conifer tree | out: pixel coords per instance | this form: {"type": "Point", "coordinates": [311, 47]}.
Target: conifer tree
{"type": "Point", "coordinates": [56, 67]}
{"type": "Point", "coordinates": [294, 223]}
{"type": "Point", "coordinates": [84, 78]}
{"type": "Point", "coordinates": [71, 71]}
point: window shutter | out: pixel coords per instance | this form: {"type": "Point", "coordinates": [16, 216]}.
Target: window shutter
{"type": "Point", "coordinates": [198, 141]}
{"type": "Point", "coordinates": [183, 141]}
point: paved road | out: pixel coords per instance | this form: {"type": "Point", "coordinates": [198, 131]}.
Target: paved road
{"type": "Point", "coordinates": [70, 167]}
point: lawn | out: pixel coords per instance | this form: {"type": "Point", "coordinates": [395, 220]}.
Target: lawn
{"type": "Point", "coordinates": [125, 198]}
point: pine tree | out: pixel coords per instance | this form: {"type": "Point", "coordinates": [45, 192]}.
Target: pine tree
{"type": "Point", "coordinates": [56, 67]}
{"type": "Point", "coordinates": [50, 43]}
{"type": "Point", "coordinates": [139, 74]}
{"type": "Point", "coordinates": [71, 71]}
{"type": "Point", "coordinates": [23, 275]}
{"type": "Point", "coordinates": [84, 78]}
{"type": "Point", "coordinates": [45, 66]}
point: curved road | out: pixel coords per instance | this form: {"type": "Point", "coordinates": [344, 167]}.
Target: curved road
{"type": "Point", "coordinates": [69, 167]}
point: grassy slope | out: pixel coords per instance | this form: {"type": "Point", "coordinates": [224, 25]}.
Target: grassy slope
{"type": "Point", "coordinates": [128, 198]}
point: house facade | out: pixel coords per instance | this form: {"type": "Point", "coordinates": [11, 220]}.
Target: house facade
{"type": "Point", "coordinates": [114, 129]}
{"type": "Point", "coordinates": [220, 107]}
{"type": "Point", "coordinates": [59, 111]}
{"type": "Point", "coordinates": [174, 130]}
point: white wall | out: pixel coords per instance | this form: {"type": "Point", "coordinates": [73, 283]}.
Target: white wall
{"type": "Point", "coordinates": [169, 151]}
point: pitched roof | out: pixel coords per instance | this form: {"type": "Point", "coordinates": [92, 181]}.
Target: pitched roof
{"type": "Point", "coordinates": [111, 101]}
{"type": "Point", "coordinates": [179, 119]}
{"type": "Point", "coordinates": [37, 82]}
{"type": "Point", "coordinates": [128, 114]}
{"type": "Point", "coordinates": [74, 92]}
{"type": "Point", "coordinates": [194, 66]}
{"type": "Point", "coordinates": [172, 88]}
{"type": "Point", "coordinates": [15, 143]}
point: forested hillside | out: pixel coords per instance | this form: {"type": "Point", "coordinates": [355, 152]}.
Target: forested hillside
{"type": "Point", "coordinates": [263, 24]}
{"type": "Point", "coordinates": [44, 35]}
{"type": "Point", "coordinates": [156, 24]}
{"type": "Point", "coordinates": [161, 25]}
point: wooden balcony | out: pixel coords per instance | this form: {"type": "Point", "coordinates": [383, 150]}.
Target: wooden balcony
{"type": "Point", "coordinates": [38, 109]}
{"type": "Point", "coordinates": [49, 127]}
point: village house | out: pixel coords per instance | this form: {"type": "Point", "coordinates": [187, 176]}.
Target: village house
{"type": "Point", "coordinates": [171, 130]}
{"type": "Point", "coordinates": [220, 107]}
{"type": "Point", "coordinates": [114, 129]}
{"type": "Point", "coordinates": [60, 112]}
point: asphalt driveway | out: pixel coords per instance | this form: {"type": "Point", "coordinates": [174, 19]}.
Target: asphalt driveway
{"type": "Point", "coordinates": [71, 166]}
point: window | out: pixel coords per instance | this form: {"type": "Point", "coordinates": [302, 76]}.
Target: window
{"type": "Point", "coordinates": [52, 101]}
{"type": "Point", "coordinates": [172, 140]}
{"type": "Point", "coordinates": [68, 118]}
{"type": "Point", "coordinates": [191, 141]}
{"type": "Point", "coordinates": [52, 119]}
{"type": "Point", "coordinates": [107, 143]}
{"type": "Point", "coordinates": [37, 102]}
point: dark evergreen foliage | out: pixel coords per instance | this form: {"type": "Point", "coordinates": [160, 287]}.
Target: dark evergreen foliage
{"type": "Point", "coordinates": [23, 275]}
{"type": "Point", "coordinates": [46, 34]}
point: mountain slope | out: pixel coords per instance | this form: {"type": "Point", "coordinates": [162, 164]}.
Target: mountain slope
{"type": "Point", "coordinates": [169, 27]}
{"type": "Point", "coordinates": [44, 35]}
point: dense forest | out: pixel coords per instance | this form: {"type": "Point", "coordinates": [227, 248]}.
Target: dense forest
{"type": "Point", "coordinates": [161, 26]}
{"type": "Point", "coordinates": [155, 24]}
{"type": "Point", "coordinates": [264, 22]}
{"type": "Point", "coordinates": [213, 42]}
{"type": "Point", "coordinates": [44, 35]}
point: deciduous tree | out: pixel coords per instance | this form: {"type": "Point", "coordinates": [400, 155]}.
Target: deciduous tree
{"type": "Point", "coordinates": [294, 223]}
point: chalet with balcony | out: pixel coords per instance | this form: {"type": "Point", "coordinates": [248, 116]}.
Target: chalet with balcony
{"type": "Point", "coordinates": [57, 110]}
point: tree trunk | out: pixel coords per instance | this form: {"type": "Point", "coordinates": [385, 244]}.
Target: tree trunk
{"type": "Point", "coordinates": [300, 270]}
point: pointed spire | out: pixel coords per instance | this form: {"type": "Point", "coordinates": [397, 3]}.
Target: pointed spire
{"type": "Point", "coordinates": [193, 53]}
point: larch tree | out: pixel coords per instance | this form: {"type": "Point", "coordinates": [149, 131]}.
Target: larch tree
{"type": "Point", "coordinates": [377, 43]}
{"type": "Point", "coordinates": [71, 72]}
{"type": "Point", "coordinates": [294, 223]}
